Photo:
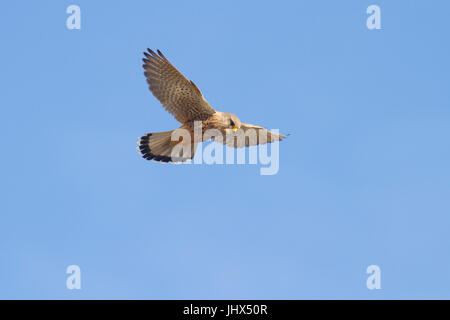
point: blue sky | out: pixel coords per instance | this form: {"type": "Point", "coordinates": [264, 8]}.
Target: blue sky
{"type": "Point", "coordinates": [364, 177]}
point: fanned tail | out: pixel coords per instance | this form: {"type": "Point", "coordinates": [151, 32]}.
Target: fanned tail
{"type": "Point", "coordinates": [158, 147]}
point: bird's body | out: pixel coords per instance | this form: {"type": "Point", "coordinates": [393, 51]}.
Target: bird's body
{"type": "Point", "coordinates": [215, 121]}
{"type": "Point", "coordinates": [184, 100]}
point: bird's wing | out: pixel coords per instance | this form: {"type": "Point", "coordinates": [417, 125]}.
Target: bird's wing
{"type": "Point", "coordinates": [251, 135]}
{"type": "Point", "coordinates": [180, 96]}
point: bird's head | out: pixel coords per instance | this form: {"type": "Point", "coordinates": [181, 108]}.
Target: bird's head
{"type": "Point", "coordinates": [231, 121]}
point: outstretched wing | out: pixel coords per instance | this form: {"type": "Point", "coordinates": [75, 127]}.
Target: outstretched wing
{"type": "Point", "coordinates": [180, 96]}
{"type": "Point", "coordinates": [250, 135]}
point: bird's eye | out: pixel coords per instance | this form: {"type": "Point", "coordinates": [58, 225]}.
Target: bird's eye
{"type": "Point", "coordinates": [231, 123]}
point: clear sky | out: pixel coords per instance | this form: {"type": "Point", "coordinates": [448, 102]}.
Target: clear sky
{"type": "Point", "coordinates": [364, 178]}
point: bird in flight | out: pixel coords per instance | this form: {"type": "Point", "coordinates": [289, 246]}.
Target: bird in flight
{"type": "Point", "coordinates": [184, 100]}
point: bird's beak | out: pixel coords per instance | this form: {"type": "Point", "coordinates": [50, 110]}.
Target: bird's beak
{"type": "Point", "coordinates": [235, 129]}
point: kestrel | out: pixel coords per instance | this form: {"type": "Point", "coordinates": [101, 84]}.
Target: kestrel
{"type": "Point", "coordinates": [184, 100]}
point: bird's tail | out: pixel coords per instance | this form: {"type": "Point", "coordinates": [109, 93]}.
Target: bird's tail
{"type": "Point", "coordinates": [158, 146]}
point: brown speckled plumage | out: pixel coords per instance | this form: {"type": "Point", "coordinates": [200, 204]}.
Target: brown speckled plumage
{"type": "Point", "coordinates": [184, 100]}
